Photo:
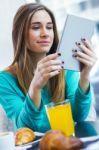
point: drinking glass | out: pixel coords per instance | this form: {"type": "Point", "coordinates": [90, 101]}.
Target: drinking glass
{"type": "Point", "coordinates": [60, 117]}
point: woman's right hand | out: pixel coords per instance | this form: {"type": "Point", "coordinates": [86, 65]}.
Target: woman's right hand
{"type": "Point", "coordinates": [47, 68]}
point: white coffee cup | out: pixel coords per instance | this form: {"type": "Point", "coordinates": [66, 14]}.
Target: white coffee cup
{"type": "Point", "coordinates": [7, 141]}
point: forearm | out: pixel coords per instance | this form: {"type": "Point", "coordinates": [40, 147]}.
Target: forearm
{"type": "Point", "coordinates": [32, 117]}
{"type": "Point", "coordinates": [81, 104]}
{"type": "Point", "coordinates": [35, 95]}
{"type": "Point", "coordinates": [84, 83]}
{"type": "Point", "coordinates": [80, 100]}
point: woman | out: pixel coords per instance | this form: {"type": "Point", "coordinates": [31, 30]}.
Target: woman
{"type": "Point", "coordinates": [36, 77]}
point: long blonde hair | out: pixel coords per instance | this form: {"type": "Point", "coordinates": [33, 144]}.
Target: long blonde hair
{"type": "Point", "coordinates": [22, 55]}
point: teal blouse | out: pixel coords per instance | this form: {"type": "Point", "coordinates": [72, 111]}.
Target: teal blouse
{"type": "Point", "coordinates": [22, 110]}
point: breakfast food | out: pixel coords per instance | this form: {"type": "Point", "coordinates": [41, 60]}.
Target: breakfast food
{"type": "Point", "coordinates": [24, 136]}
{"type": "Point", "coordinates": [56, 140]}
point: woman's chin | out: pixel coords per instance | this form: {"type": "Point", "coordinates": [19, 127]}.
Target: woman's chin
{"type": "Point", "coordinates": [41, 50]}
{"type": "Point", "coordinates": [44, 50]}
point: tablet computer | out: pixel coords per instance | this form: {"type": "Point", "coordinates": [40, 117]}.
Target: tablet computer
{"type": "Point", "coordinates": [75, 28]}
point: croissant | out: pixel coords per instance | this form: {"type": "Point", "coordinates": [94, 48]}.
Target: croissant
{"type": "Point", "coordinates": [56, 140]}
{"type": "Point", "coordinates": [24, 135]}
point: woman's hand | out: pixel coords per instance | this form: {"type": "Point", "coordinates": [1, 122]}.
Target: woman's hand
{"type": "Point", "coordinates": [88, 58]}
{"type": "Point", "coordinates": [47, 68]}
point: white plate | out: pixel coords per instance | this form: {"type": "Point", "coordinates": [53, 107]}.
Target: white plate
{"type": "Point", "coordinates": [91, 143]}
{"type": "Point", "coordinates": [90, 138]}
{"type": "Point", "coordinates": [31, 144]}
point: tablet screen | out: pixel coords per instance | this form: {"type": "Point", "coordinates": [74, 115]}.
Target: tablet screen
{"type": "Point", "coordinates": [75, 28]}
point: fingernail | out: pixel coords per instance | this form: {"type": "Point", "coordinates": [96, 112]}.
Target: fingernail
{"type": "Point", "coordinates": [62, 67]}
{"type": "Point", "coordinates": [74, 50]}
{"type": "Point", "coordinates": [59, 54]}
{"type": "Point", "coordinates": [74, 55]}
{"type": "Point", "coordinates": [77, 43]}
{"type": "Point", "coordinates": [83, 39]}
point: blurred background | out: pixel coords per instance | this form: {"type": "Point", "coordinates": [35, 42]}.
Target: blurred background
{"type": "Point", "coordinates": [86, 8]}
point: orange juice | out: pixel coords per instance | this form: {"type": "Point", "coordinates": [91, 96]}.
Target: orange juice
{"type": "Point", "coordinates": [60, 118]}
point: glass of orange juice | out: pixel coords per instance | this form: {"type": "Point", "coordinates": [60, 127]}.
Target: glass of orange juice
{"type": "Point", "coordinates": [60, 117]}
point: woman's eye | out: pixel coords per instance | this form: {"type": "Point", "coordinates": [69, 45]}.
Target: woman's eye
{"type": "Point", "coordinates": [49, 27]}
{"type": "Point", "coordinates": [35, 27]}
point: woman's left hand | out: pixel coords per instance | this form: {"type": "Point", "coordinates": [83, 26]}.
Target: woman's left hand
{"type": "Point", "coordinates": [87, 57]}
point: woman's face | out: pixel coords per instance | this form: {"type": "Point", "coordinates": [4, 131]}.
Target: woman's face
{"type": "Point", "coordinates": [41, 33]}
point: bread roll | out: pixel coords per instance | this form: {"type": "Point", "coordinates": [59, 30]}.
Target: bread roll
{"type": "Point", "coordinates": [24, 135]}
{"type": "Point", "coordinates": [56, 140]}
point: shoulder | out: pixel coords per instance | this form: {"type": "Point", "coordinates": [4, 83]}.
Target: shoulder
{"type": "Point", "coordinates": [9, 72]}
{"type": "Point", "coordinates": [7, 77]}
{"type": "Point", "coordinates": [11, 69]}
{"type": "Point", "coordinates": [9, 83]}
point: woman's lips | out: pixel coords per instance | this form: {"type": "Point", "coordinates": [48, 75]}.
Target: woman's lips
{"type": "Point", "coordinates": [43, 43]}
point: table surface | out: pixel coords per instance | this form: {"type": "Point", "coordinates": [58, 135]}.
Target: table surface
{"type": "Point", "coordinates": [82, 129]}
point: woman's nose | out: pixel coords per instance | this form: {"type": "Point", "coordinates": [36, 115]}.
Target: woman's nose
{"type": "Point", "coordinates": [44, 32]}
